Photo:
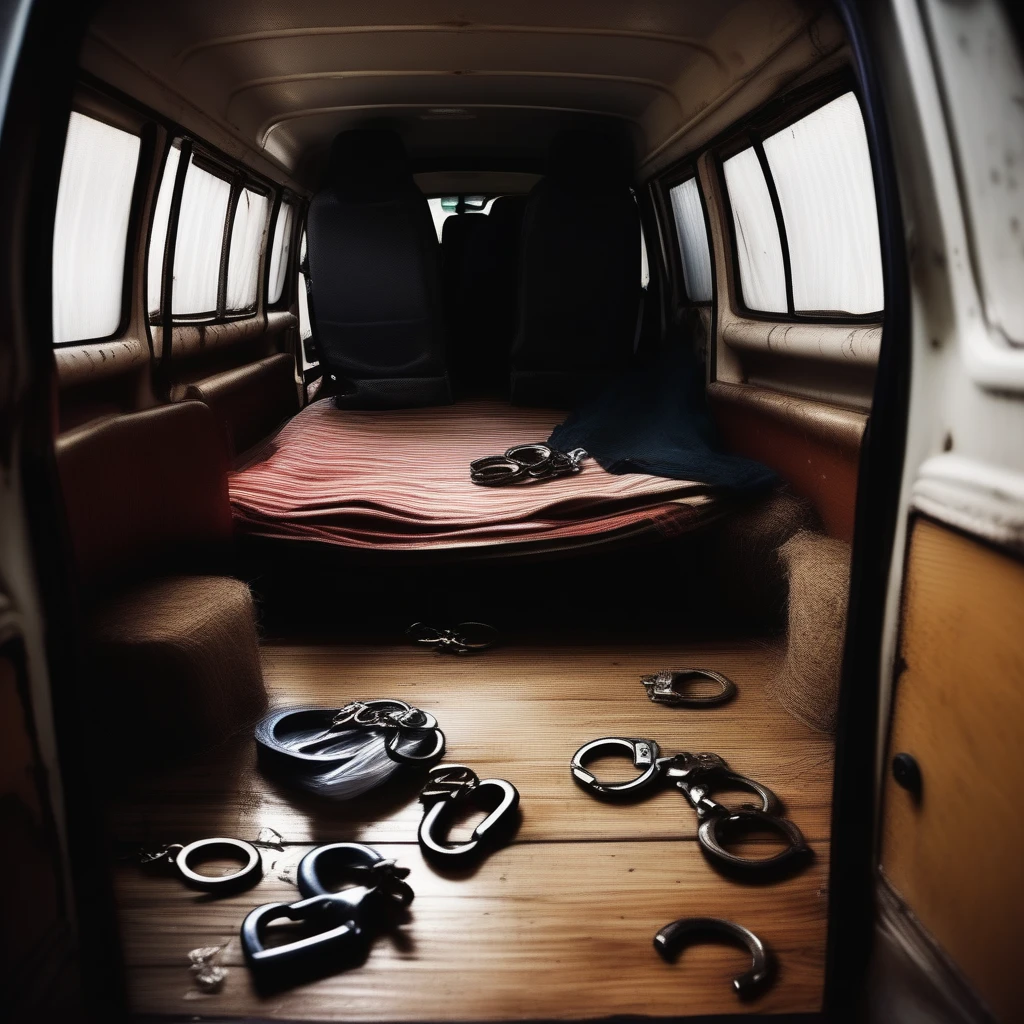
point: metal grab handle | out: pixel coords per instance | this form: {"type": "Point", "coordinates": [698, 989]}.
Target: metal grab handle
{"type": "Point", "coordinates": [679, 933]}
{"type": "Point", "coordinates": [712, 831]}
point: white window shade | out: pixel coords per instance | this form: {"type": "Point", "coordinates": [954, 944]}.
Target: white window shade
{"type": "Point", "coordinates": [758, 247]}
{"type": "Point", "coordinates": [822, 172]}
{"type": "Point", "coordinates": [247, 234]}
{"type": "Point", "coordinates": [280, 252]}
{"type": "Point", "coordinates": [158, 236]}
{"type": "Point", "coordinates": [90, 234]}
{"type": "Point", "coordinates": [197, 252]}
{"type": "Point", "coordinates": [692, 232]}
{"type": "Point", "coordinates": [305, 329]}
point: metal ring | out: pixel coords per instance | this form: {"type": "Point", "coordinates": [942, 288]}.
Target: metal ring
{"type": "Point", "coordinates": [391, 746]}
{"type": "Point", "coordinates": [529, 456]}
{"type": "Point", "coordinates": [661, 688]}
{"type": "Point", "coordinates": [495, 470]}
{"type": "Point", "coordinates": [700, 789]}
{"type": "Point", "coordinates": [762, 969]}
{"type": "Point", "coordinates": [643, 753]}
{"type": "Point", "coordinates": [710, 837]}
{"type": "Point", "coordinates": [354, 856]}
{"type": "Point", "coordinates": [479, 645]}
{"type": "Point", "coordinates": [247, 875]}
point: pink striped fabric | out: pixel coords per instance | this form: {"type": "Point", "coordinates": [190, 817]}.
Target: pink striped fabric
{"type": "Point", "coordinates": [400, 480]}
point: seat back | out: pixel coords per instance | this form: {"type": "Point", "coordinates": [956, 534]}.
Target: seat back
{"type": "Point", "coordinates": [488, 297]}
{"type": "Point", "coordinates": [146, 492]}
{"type": "Point", "coordinates": [580, 277]}
{"type": "Point", "coordinates": [375, 284]}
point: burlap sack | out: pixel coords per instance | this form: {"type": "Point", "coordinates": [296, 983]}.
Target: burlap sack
{"type": "Point", "coordinates": [819, 582]}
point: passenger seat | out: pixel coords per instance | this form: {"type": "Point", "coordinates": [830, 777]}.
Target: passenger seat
{"type": "Point", "coordinates": [580, 283]}
{"type": "Point", "coordinates": [374, 274]}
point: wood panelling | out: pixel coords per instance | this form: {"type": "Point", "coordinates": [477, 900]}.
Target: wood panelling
{"type": "Point", "coordinates": [955, 857]}
{"type": "Point", "coordinates": [557, 925]}
{"type": "Point", "coordinates": [814, 447]}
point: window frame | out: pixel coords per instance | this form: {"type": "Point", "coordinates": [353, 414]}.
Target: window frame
{"type": "Point", "coordinates": [676, 175]}
{"type": "Point", "coordinates": [193, 150]}
{"type": "Point", "coordinates": [145, 130]}
{"type": "Point", "coordinates": [775, 117]}
{"type": "Point", "coordinates": [288, 295]}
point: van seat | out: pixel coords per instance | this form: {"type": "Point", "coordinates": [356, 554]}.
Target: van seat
{"type": "Point", "coordinates": [172, 656]}
{"type": "Point", "coordinates": [250, 401]}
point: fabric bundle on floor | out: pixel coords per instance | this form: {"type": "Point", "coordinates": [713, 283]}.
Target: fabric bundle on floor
{"type": "Point", "coordinates": [400, 480]}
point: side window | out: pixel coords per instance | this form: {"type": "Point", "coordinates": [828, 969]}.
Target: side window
{"type": "Point", "coordinates": [692, 235]}
{"type": "Point", "coordinates": [90, 236]}
{"type": "Point", "coordinates": [815, 252]}
{"type": "Point", "coordinates": [756, 232]}
{"type": "Point", "coordinates": [822, 171]}
{"type": "Point", "coordinates": [158, 235]}
{"type": "Point", "coordinates": [305, 330]}
{"type": "Point", "coordinates": [247, 233]}
{"type": "Point", "coordinates": [280, 253]}
{"type": "Point", "coordinates": [200, 239]}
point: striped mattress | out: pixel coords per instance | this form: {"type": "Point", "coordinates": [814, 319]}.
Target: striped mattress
{"type": "Point", "coordinates": [400, 480]}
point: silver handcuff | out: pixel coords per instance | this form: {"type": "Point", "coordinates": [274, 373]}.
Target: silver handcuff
{"type": "Point", "coordinates": [696, 776]}
{"type": "Point", "coordinates": [523, 463]}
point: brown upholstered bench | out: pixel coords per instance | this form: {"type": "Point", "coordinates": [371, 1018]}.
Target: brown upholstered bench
{"type": "Point", "coordinates": [173, 661]}
{"type": "Point", "coordinates": [250, 401]}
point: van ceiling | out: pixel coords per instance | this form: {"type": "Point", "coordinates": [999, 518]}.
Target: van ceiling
{"type": "Point", "coordinates": [473, 83]}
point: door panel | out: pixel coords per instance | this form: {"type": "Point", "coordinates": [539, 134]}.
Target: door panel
{"type": "Point", "coordinates": [956, 854]}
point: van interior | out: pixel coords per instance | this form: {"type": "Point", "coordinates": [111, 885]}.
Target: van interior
{"type": "Point", "coordinates": [514, 362]}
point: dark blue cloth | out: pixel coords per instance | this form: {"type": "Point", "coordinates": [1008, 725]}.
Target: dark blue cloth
{"type": "Point", "coordinates": [655, 421]}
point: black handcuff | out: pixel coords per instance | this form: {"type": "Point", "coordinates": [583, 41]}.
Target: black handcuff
{"type": "Point", "coordinates": [686, 930]}
{"type": "Point", "coordinates": [450, 786]}
{"type": "Point", "coordinates": [345, 920]}
{"type": "Point", "coordinates": [525, 462]}
{"type": "Point", "coordinates": [465, 638]}
{"type": "Point", "coordinates": [696, 776]}
{"type": "Point", "coordinates": [308, 737]}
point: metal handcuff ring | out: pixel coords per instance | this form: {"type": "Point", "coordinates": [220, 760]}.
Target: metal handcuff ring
{"type": "Point", "coordinates": [662, 688]}
{"type": "Point", "coordinates": [234, 881]}
{"type": "Point", "coordinates": [399, 724]}
{"type": "Point", "coordinates": [680, 933]}
{"type": "Point", "coordinates": [454, 640]}
{"type": "Point", "coordinates": [346, 916]}
{"type": "Point", "coordinates": [696, 776]}
{"type": "Point", "coordinates": [450, 785]}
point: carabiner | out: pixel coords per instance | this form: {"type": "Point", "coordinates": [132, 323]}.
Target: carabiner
{"type": "Point", "coordinates": [762, 968]}
{"type": "Point", "coordinates": [662, 688]}
{"type": "Point", "coordinates": [450, 785]}
{"type": "Point", "coordinates": [696, 776]}
{"type": "Point", "coordinates": [644, 754]}
{"type": "Point", "coordinates": [345, 915]}
{"type": "Point", "coordinates": [715, 828]}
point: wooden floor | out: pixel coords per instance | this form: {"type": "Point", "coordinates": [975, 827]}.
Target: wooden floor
{"type": "Point", "coordinates": [558, 925]}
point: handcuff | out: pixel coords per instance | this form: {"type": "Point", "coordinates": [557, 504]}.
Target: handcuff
{"type": "Point", "coordinates": [663, 688]}
{"type": "Point", "coordinates": [448, 787]}
{"type": "Point", "coordinates": [689, 929]}
{"type": "Point", "coordinates": [178, 857]}
{"type": "Point", "coordinates": [315, 737]}
{"type": "Point", "coordinates": [465, 638]}
{"type": "Point", "coordinates": [344, 920]}
{"type": "Point", "coordinates": [524, 462]}
{"type": "Point", "coordinates": [696, 776]}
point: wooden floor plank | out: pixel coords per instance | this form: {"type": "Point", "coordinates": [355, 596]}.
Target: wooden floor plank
{"type": "Point", "coordinates": [517, 715]}
{"type": "Point", "coordinates": [540, 931]}
{"type": "Point", "coordinates": [557, 925]}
